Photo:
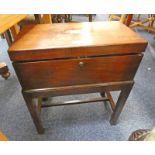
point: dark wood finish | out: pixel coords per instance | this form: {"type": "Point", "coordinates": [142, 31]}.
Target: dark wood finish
{"type": "Point", "coordinates": [129, 19]}
{"type": "Point", "coordinates": [37, 18]}
{"type": "Point", "coordinates": [125, 88]}
{"type": "Point", "coordinates": [112, 103]}
{"type": "Point", "coordinates": [68, 53]}
{"type": "Point", "coordinates": [73, 102]}
{"type": "Point", "coordinates": [76, 58]}
{"type": "Point", "coordinates": [34, 111]}
{"type": "Point", "coordinates": [120, 103]}
{"type": "Point", "coordinates": [77, 89]}
{"type": "Point", "coordinates": [90, 17]}
{"type": "Point", "coordinates": [8, 37]}
{"type": "Point", "coordinates": [70, 72]}
{"type": "Point", "coordinates": [75, 40]}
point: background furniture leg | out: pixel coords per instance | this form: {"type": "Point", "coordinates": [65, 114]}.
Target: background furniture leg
{"type": "Point", "coordinates": [102, 94]}
{"type": "Point", "coordinates": [90, 17]}
{"type": "Point", "coordinates": [35, 113]}
{"type": "Point", "coordinates": [8, 37]}
{"type": "Point", "coordinates": [129, 19]}
{"type": "Point", "coordinates": [120, 104]}
{"type": "Point", "coordinates": [4, 71]}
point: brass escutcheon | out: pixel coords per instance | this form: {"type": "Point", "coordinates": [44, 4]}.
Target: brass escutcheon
{"type": "Point", "coordinates": [81, 64]}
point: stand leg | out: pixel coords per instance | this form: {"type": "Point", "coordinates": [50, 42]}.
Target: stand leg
{"type": "Point", "coordinates": [45, 98]}
{"type": "Point", "coordinates": [120, 104]}
{"type": "Point", "coordinates": [35, 114]}
{"type": "Point", "coordinates": [103, 94]}
{"type": "Point", "coordinates": [90, 17]}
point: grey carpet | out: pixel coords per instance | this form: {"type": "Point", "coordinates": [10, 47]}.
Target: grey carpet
{"type": "Point", "coordinates": [80, 122]}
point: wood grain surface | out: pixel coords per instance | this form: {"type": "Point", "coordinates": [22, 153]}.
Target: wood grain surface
{"type": "Point", "coordinates": [47, 41]}
{"type": "Point", "coordinates": [53, 73]}
{"type": "Point", "coordinates": [9, 20]}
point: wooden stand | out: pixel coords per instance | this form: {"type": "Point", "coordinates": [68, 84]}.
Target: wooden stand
{"type": "Point", "coordinates": [76, 58]}
{"type": "Point", "coordinates": [32, 99]}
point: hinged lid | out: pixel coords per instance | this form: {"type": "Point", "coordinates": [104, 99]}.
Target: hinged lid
{"type": "Point", "coordinates": [49, 41]}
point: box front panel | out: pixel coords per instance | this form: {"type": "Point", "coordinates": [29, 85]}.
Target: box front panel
{"type": "Point", "coordinates": [68, 72]}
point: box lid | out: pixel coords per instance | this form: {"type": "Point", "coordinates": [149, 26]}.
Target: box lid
{"type": "Point", "coordinates": [49, 41]}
